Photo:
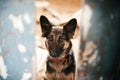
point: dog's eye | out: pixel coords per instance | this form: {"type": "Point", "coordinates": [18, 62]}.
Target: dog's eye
{"type": "Point", "coordinates": [61, 39]}
{"type": "Point", "coordinates": [50, 38]}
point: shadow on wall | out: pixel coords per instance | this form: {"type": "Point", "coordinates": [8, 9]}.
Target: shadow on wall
{"type": "Point", "coordinates": [99, 50]}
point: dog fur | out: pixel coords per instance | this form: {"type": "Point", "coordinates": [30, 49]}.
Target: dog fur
{"type": "Point", "coordinates": [60, 63]}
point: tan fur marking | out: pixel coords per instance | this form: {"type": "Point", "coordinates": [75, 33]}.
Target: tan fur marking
{"type": "Point", "coordinates": [66, 45]}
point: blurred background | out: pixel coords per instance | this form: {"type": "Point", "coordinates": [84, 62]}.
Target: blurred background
{"type": "Point", "coordinates": [95, 44]}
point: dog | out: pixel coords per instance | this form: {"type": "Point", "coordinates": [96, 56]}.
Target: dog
{"type": "Point", "coordinates": [60, 64]}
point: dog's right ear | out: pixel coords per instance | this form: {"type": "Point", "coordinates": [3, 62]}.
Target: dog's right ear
{"type": "Point", "coordinates": [45, 26]}
{"type": "Point", "coordinates": [69, 28]}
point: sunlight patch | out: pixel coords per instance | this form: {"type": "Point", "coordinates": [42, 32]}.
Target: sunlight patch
{"type": "Point", "coordinates": [86, 20]}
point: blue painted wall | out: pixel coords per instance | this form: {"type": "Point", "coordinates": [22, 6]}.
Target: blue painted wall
{"type": "Point", "coordinates": [17, 37]}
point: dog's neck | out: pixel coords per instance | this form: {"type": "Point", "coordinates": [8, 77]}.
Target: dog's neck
{"type": "Point", "coordinates": [62, 65]}
{"type": "Point", "coordinates": [60, 59]}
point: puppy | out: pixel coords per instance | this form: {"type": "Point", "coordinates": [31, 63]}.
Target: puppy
{"type": "Point", "coordinates": [60, 63]}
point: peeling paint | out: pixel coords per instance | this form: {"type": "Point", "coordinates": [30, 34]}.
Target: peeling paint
{"type": "Point", "coordinates": [17, 22]}
{"type": "Point", "coordinates": [101, 78]}
{"type": "Point", "coordinates": [26, 76]}
{"type": "Point", "coordinates": [3, 69]}
{"type": "Point", "coordinates": [26, 18]}
{"type": "Point", "coordinates": [0, 50]}
{"type": "Point", "coordinates": [21, 48]}
{"type": "Point", "coordinates": [93, 58]}
{"type": "Point", "coordinates": [25, 59]}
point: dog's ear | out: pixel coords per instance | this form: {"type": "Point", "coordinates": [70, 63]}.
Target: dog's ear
{"type": "Point", "coordinates": [45, 26]}
{"type": "Point", "coordinates": [70, 27]}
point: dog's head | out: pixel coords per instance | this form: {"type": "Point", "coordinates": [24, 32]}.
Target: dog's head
{"type": "Point", "coordinates": [58, 39]}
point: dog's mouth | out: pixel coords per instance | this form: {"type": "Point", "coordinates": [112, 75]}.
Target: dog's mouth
{"type": "Point", "coordinates": [58, 55]}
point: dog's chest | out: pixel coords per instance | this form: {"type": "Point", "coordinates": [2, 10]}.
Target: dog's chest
{"type": "Point", "coordinates": [58, 67]}
{"type": "Point", "coordinates": [62, 70]}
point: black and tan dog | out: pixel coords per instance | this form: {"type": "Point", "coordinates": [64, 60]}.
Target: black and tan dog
{"type": "Point", "coordinates": [60, 63]}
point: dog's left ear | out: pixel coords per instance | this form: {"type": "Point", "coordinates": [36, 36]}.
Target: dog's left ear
{"type": "Point", "coordinates": [45, 26]}
{"type": "Point", "coordinates": [70, 27]}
